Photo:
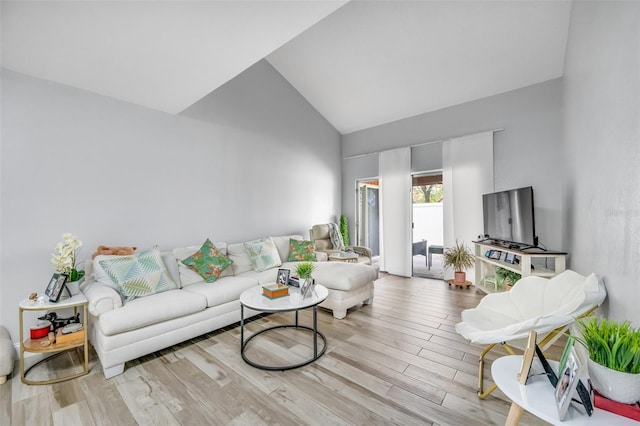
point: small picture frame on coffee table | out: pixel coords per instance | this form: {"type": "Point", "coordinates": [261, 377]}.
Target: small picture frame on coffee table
{"type": "Point", "coordinates": [55, 286]}
{"type": "Point", "coordinates": [283, 276]}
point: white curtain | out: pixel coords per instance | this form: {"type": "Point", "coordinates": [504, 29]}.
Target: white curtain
{"type": "Point", "coordinates": [395, 212]}
{"type": "Point", "coordinates": [467, 174]}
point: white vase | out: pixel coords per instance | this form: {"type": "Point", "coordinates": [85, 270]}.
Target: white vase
{"type": "Point", "coordinates": [615, 385]}
{"type": "Point", "coordinates": [73, 287]}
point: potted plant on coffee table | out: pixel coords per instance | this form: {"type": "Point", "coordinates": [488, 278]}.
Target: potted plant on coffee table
{"type": "Point", "coordinates": [304, 271]}
{"type": "Point", "coordinates": [459, 258]}
{"type": "Point", "coordinates": [614, 358]}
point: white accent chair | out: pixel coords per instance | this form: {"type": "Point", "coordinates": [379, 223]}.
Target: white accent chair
{"type": "Point", "coordinates": [548, 306]}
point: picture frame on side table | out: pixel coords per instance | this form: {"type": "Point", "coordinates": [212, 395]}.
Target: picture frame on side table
{"type": "Point", "coordinates": [510, 258]}
{"type": "Point", "coordinates": [527, 358]}
{"type": "Point", "coordinates": [55, 286]}
{"type": "Point", "coordinates": [567, 383]}
{"type": "Point", "coordinates": [495, 254]}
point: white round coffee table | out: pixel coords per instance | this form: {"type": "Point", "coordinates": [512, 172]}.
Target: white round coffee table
{"type": "Point", "coordinates": [252, 298]}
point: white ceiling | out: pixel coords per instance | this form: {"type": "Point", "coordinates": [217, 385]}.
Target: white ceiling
{"type": "Point", "coordinates": [164, 55]}
{"type": "Point", "coordinates": [365, 64]}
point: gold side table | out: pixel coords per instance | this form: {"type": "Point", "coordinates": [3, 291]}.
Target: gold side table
{"type": "Point", "coordinates": [36, 346]}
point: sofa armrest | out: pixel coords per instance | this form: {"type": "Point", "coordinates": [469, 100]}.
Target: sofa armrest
{"type": "Point", "coordinates": [363, 251]}
{"type": "Point", "coordinates": [102, 298]}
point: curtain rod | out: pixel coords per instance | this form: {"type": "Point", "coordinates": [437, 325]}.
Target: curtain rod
{"type": "Point", "coordinates": [351, 157]}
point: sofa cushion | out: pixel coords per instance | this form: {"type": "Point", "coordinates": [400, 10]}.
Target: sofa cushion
{"type": "Point", "coordinates": [265, 277]}
{"type": "Point", "coordinates": [172, 266]}
{"type": "Point", "coordinates": [138, 275]}
{"type": "Point", "coordinates": [208, 261]}
{"type": "Point", "coordinates": [301, 251]}
{"type": "Point", "coordinates": [282, 244]}
{"type": "Point", "coordinates": [343, 276]}
{"type": "Point", "coordinates": [225, 290]}
{"type": "Point", "coordinates": [151, 310]}
{"type": "Point", "coordinates": [263, 254]}
{"type": "Point", "coordinates": [241, 261]}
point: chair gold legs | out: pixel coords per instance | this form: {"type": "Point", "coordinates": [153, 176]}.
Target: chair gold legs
{"type": "Point", "coordinates": [482, 394]}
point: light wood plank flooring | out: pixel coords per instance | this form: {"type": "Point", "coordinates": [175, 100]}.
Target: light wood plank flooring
{"type": "Point", "coordinates": [397, 361]}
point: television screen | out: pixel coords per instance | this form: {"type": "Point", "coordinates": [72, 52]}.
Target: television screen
{"type": "Point", "coordinates": [508, 216]}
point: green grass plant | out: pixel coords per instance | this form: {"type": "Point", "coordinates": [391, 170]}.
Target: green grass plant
{"type": "Point", "coordinates": [305, 269]}
{"type": "Point", "coordinates": [612, 344]}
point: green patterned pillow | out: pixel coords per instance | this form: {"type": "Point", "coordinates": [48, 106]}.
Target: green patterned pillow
{"type": "Point", "coordinates": [303, 251]}
{"type": "Point", "coordinates": [263, 254]}
{"type": "Point", "coordinates": [209, 262]}
{"type": "Point", "coordinates": [140, 274]}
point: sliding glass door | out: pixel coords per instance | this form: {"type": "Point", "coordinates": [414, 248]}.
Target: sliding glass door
{"type": "Point", "coordinates": [368, 223]}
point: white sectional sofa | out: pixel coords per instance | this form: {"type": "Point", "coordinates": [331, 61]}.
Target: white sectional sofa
{"type": "Point", "coordinates": [121, 330]}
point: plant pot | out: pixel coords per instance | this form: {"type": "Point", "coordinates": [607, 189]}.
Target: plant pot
{"type": "Point", "coordinates": [73, 287]}
{"type": "Point", "coordinates": [460, 277]}
{"type": "Point", "coordinates": [615, 385]}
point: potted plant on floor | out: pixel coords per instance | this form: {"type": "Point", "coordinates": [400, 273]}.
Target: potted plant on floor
{"type": "Point", "coordinates": [459, 258]}
{"type": "Point", "coordinates": [507, 277]}
{"type": "Point", "coordinates": [614, 358]}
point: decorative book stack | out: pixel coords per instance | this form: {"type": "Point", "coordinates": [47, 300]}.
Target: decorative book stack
{"type": "Point", "coordinates": [274, 291]}
{"type": "Point", "coordinates": [631, 411]}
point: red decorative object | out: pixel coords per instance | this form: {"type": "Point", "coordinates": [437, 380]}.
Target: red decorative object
{"type": "Point", "coordinates": [631, 411]}
{"type": "Point", "coordinates": [40, 331]}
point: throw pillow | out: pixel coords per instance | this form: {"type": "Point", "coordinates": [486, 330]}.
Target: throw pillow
{"type": "Point", "coordinates": [139, 275]}
{"type": "Point", "coordinates": [304, 251]}
{"type": "Point", "coordinates": [209, 262]}
{"type": "Point", "coordinates": [263, 254]}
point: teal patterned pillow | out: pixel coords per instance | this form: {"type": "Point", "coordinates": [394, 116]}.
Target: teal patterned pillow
{"type": "Point", "coordinates": [209, 262]}
{"type": "Point", "coordinates": [263, 254]}
{"type": "Point", "coordinates": [140, 274]}
{"type": "Point", "coordinates": [303, 251]}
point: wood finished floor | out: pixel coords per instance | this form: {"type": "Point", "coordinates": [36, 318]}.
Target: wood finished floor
{"type": "Point", "coordinates": [397, 361]}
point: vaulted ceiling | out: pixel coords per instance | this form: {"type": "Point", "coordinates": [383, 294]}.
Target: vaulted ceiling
{"type": "Point", "coordinates": [359, 63]}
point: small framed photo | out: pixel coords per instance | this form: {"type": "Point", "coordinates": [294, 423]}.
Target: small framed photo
{"type": "Point", "coordinates": [306, 289]}
{"type": "Point", "coordinates": [527, 358]}
{"type": "Point", "coordinates": [55, 287]}
{"type": "Point", "coordinates": [283, 276]}
{"type": "Point", "coordinates": [510, 258]}
{"type": "Point", "coordinates": [495, 254]}
{"type": "Point", "coordinates": [567, 382]}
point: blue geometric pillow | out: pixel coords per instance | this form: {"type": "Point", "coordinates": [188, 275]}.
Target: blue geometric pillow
{"type": "Point", "coordinates": [140, 274]}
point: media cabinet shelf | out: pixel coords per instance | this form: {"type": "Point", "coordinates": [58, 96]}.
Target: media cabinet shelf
{"type": "Point", "coordinates": [486, 266]}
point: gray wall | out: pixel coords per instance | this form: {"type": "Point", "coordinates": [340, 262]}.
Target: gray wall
{"type": "Point", "coordinates": [602, 133]}
{"type": "Point", "coordinates": [527, 152]}
{"type": "Point", "coordinates": [253, 159]}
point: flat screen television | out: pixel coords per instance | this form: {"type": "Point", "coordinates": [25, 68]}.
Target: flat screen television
{"type": "Point", "coordinates": [508, 216]}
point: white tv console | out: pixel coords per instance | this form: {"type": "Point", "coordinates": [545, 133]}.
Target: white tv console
{"type": "Point", "coordinates": [486, 267]}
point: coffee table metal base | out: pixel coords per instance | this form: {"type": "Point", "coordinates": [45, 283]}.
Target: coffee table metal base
{"type": "Point", "coordinates": [314, 330]}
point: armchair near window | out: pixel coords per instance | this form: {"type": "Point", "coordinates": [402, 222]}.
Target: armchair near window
{"type": "Point", "coordinates": [321, 235]}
